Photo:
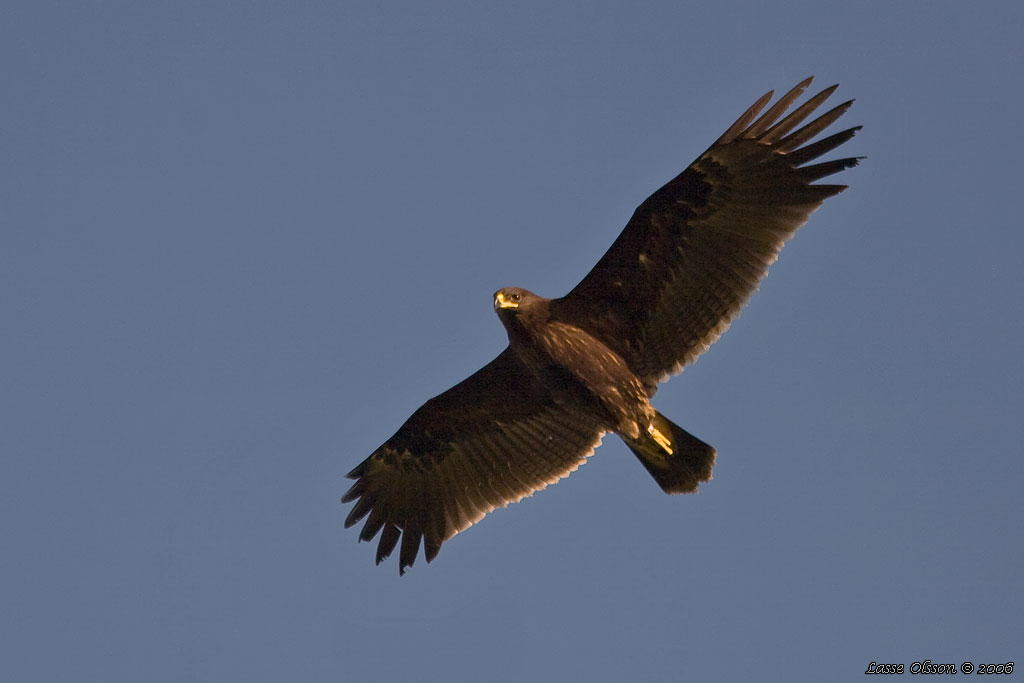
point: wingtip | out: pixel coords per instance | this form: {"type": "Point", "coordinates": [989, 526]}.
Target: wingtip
{"type": "Point", "coordinates": [353, 492]}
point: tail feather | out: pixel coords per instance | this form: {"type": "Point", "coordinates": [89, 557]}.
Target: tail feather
{"type": "Point", "coordinates": [676, 459]}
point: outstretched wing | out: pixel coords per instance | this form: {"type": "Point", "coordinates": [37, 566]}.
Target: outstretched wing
{"type": "Point", "coordinates": [696, 250]}
{"type": "Point", "coordinates": [491, 440]}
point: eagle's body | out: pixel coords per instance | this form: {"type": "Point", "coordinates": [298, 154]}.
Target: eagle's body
{"type": "Point", "coordinates": [576, 367]}
{"type": "Point", "coordinates": [588, 363]}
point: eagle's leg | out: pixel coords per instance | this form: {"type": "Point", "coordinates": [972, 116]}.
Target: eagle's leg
{"type": "Point", "coordinates": [662, 440]}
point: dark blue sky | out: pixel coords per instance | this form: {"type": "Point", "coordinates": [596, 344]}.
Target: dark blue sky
{"type": "Point", "coordinates": [241, 243]}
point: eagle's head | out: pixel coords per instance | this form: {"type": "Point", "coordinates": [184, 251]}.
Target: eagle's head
{"type": "Point", "coordinates": [516, 302]}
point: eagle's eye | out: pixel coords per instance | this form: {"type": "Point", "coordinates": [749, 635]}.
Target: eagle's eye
{"type": "Point", "coordinates": [515, 297]}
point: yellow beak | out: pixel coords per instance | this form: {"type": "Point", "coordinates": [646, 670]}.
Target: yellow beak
{"type": "Point", "coordinates": [501, 302]}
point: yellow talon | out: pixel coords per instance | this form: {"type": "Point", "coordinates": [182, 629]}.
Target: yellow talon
{"type": "Point", "coordinates": [660, 438]}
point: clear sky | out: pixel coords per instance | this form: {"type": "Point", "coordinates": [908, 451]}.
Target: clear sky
{"type": "Point", "coordinates": [241, 242]}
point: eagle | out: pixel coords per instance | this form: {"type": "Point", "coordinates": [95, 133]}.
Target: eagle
{"type": "Point", "coordinates": [588, 363]}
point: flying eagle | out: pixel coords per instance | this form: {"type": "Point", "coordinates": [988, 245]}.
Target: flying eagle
{"type": "Point", "coordinates": [588, 363]}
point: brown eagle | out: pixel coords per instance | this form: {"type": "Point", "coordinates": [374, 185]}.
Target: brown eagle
{"type": "Point", "coordinates": [588, 363]}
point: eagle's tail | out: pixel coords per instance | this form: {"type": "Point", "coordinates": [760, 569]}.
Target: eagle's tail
{"type": "Point", "coordinates": [676, 459]}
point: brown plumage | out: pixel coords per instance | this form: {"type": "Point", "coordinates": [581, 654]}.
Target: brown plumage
{"type": "Point", "coordinates": [588, 363]}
